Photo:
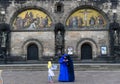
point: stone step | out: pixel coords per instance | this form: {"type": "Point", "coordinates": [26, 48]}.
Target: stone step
{"type": "Point", "coordinates": [77, 67]}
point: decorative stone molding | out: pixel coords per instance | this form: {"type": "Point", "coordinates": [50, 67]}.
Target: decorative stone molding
{"type": "Point", "coordinates": [92, 43]}
{"type": "Point", "coordinates": [32, 41]}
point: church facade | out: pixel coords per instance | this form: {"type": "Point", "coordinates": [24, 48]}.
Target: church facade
{"type": "Point", "coordinates": [50, 28]}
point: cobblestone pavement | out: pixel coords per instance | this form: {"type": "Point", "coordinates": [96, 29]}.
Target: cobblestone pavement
{"type": "Point", "coordinates": [40, 77]}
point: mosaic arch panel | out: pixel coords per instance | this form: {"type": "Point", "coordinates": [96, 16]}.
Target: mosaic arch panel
{"type": "Point", "coordinates": [31, 19]}
{"type": "Point", "coordinates": [86, 17]}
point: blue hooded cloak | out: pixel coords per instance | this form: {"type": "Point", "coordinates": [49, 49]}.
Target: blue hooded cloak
{"type": "Point", "coordinates": [63, 75]}
{"type": "Point", "coordinates": [70, 69]}
{"type": "Point", "coordinates": [66, 69]}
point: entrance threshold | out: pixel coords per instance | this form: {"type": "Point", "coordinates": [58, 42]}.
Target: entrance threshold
{"type": "Point", "coordinates": [87, 60]}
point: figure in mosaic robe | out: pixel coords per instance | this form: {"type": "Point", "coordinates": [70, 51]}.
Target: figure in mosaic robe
{"type": "Point", "coordinates": [92, 21]}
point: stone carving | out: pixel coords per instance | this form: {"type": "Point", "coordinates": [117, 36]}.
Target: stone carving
{"type": "Point", "coordinates": [59, 39]}
{"type": "Point", "coordinates": [3, 39]}
{"type": "Point", "coordinates": [115, 37]}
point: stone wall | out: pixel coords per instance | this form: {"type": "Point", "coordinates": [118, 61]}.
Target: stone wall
{"type": "Point", "coordinates": [45, 39]}
{"type": "Point", "coordinates": [21, 40]}
{"type": "Point", "coordinates": [95, 38]}
{"type": "Point", "coordinates": [50, 7]}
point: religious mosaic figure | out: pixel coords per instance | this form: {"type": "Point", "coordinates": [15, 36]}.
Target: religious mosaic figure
{"type": "Point", "coordinates": [19, 23]}
{"type": "Point", "coordinates": [80, 21]}
{"type": "Point", "coordinates": [92, 21]}
{"type": "Point", "coordinates": [43, 22]}
{"type": "Point", "coordinates": [37, 21]}
{"type": "Point", "coordinates": [46, 21]}
{"type": "Point", "coordinates": [100, 20]}
{"type": "Point", "coordinates": [32, 25]}
{"type": "Point", "coordinates": [84, 18]}
{"type": "Point", "coordinates": [31, 16]}
{"type": "Point", "coordinates": [32, 19]}
{"type": "Point", "coordinates": [70, 22]}
{"type": "Point", "coordinates": [74, 22]}
{"type": "Point", "coordinates": [28, 19]}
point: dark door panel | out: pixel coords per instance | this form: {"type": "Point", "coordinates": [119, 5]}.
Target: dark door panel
{"type": "Point", "coordinates": [32, 52]}
{"type": "Point", "coordinates": [86, 52]}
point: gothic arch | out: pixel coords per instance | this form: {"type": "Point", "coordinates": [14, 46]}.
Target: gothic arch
{"type": "Point", "coordinates": [67, 16]}
{"type": "Point", "coordinates": [89, 41]}
{"type": "Point", "coordinates": [25, 8]}
{"type": "Point", "coordinates": [32, 41]}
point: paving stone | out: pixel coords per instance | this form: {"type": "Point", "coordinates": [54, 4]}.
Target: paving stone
{"type": "Point", "coordinates": [40, 77]}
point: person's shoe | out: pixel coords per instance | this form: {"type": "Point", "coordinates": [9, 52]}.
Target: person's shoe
{"type": "Point", "coordinates": [51, 82]}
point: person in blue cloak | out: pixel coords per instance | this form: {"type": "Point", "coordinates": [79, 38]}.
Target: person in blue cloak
{"type": "Point", "coordinates": [70, 69]}
{"type": "Point", "coordinates": [66, 73]}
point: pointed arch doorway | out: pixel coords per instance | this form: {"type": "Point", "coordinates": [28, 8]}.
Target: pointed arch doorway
{"type": "Point", "coordinates": [86, 52]}
{"type": "Point", "coordinates": [32, 52]}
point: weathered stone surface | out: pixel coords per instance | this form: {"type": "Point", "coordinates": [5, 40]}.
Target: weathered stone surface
{"type": "Point", "coordinates": [20, 39]}
{"type": "Point", "coordinates": [45, 40]}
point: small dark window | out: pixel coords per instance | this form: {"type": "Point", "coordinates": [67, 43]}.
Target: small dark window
{"type": "Point", "coordinates": [59, 7]}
